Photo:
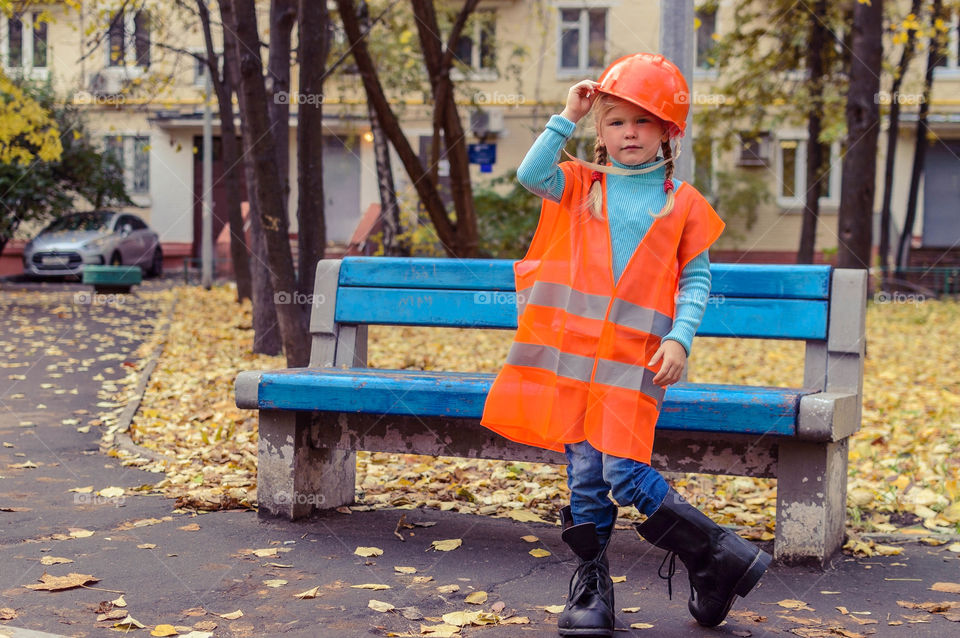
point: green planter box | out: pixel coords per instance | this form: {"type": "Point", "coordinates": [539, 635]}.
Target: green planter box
{"type": "Point", "coordinates": [112, 279]}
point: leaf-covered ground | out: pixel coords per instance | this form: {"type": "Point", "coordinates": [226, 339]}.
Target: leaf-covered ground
{"type": "Point", "coordinates": [903, 473]}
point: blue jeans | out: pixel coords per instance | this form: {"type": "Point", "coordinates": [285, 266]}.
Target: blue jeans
{"type": "Point", "coordinates": [592, 476]}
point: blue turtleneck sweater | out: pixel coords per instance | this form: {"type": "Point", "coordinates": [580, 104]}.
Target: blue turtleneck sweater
{"type": "Point", "coordinates": [631, 202]}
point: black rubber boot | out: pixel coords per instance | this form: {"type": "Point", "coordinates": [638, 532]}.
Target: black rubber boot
{"type": "Point", "coordinates": [589, 608]}
{"type": "Point", "coordinates": [721, 565]}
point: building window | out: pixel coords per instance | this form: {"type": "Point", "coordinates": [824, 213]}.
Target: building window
{"type": "Point", "coordinates": [583, 39]}
{"type": "Point", "coordinates": [200, 66]}
{"type": "Point", "coordinates": [476, 47]}
{"type": "Point", "coordinates": [791, 171]}
{"type": "Point", "coordinates": [706, 26]}
{"type": "Point", "coordinates": [128, 40]}
{"type": "Point", "coordinates": [133, 154]}
{"type": "Point", "coordinates": [25, 46]}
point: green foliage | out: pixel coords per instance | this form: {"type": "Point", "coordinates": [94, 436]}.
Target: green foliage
{"type": "Point", "coordinates": [42, 190]}
{"type": "Point", "coordinates": [506, 219]}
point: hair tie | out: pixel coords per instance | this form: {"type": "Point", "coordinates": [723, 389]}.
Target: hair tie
{"type": "Point", "coordinates": [595, 176]}
{"type": "Point", "coordinates": [667, 185]}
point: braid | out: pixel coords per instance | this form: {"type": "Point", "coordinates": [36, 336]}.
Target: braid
{"type": "Point", "coordinates": [668, 182]}
{"type": "Point", "coordinates": [595, 194]}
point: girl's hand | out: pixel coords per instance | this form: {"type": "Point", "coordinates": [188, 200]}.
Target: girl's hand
{"type": "Point", "coordinates": [579, 100]}
{"type": "Point", "coordinates": [674, 357]}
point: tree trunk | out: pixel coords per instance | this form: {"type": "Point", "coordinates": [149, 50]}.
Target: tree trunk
{"type": "Point", "coordinates": [439, 59]}
{"type": "Point", "coordinates": [863, 125]}
{"type": "Point", "coordinates": [920, 148]}
{"type": "Point", "coordinates": [427, 191]}
{"type": "Point", "coordinates": [313, 46]}
{"type": "Point", "coordinates": [893, 128]}
{"type": "Point", "coordinates": [389, 207]}
{"type": "Point", "coordinates": [283, 15]}
{"type": "Point", "coordinates": [230, 156]}
{"type": "Point", "coordinates": [269, 190]}
{"type": "Point", "coordinates": [811, 207]}
{"type": "Point", "coordinates": [266, 327]}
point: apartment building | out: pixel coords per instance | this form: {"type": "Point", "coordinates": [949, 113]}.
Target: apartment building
{"type": "Point", "coordinates": [144, 94]}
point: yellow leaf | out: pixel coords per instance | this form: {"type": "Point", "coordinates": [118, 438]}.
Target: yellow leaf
{"type": "Point", "coordinates": [233, 615]}
{"type": "Point", "coordinates": [129, 623]}
{"type": "Point", "coordinates": [553, 609]}
{"type": "Point", "coordinates": [476, 598]}
{"type": "Point", "coordinates": [791, 603]}
{"type": "Point", "coordinates": [950, 588]}
{"type": "Point", "coordinates": [269, 552]}
{"type": "Point", "coordinates": [446, 545]}
{"type": "Point", "coordinates": [80, 533]}
{"type": "Point", "coordinates": [515, 620]}
{"type": "Point", "coordinates": [368, 551]}
{"type": "Point", "coordinates": [529, 538]}
{"type": "Point", "coordinates": [448, 589]}
{"type": "Point", "coordinates": [191, 527]}
{"type": "Point", "coordinates": [374, 586]}
{"type": "Point", "coordinates": [618, 579]}
{"type": "Point", "coordinates": [276, 582]}
{"type": "Point", "coordinates": [57, 583]}
{"type": "Point", "coordinates": [641, 625]}
{"type": "Point", "coordinates": [114, 492]}
{"type": "Point", "coordinates": [54, 560]}
{"type": "Point", "coordinates": [404, 570]}
{"type": "Point", "coordinates": [439, 631]}
{"type": "Point", "coordinates": [164, 630]}
{"type": "Point", "coordinates": [119, 602]}
{"type": "Point", "coordinates": [631, 610]}
{"type": "Point", "coordinates": [307, 595]}
{"type": "Point", "coordinates": [461, 618]}
{"type": "Point", "coordinates": [539, 553]}
{"type": "Point", "coordinates": [379, 605]}
{"type": "Point", "coordinates": [525, 516]}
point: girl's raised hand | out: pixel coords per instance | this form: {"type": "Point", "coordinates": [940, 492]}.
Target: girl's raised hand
{"type": "Point", "coordinates": [579, 99]}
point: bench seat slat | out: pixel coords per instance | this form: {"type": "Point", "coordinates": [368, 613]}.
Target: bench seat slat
{"type": "Point", "coordinates": [724, 316]}
{"type": "Point", "coordinates": [694, 407]}
{"type": "Point", "coordinates": [782, 281]}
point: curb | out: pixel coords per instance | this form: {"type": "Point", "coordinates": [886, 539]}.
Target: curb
{"type": "Point", "coordinates": [122, 438]}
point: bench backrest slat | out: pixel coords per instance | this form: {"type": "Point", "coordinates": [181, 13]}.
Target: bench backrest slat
{"type": "Point", "coordinates": [747, 300]}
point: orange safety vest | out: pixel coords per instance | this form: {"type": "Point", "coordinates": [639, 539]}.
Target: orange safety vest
{"type": "Point", "coordinates": [577, 367]}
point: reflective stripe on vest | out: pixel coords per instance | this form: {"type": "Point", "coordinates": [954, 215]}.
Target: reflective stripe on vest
{"type": "Point", "coordinates": [590, 306]}
{"type": "Point", "coordinates": [580, 368]}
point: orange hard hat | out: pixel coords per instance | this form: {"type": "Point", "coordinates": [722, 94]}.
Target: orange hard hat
{"type": "Point", "coordinates": [652, 82]}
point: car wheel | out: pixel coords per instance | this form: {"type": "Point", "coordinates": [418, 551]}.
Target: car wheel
{"type": "Point", "coordinates": [115, 260]}
{"type": "Point", "coordinates": [156, 264]}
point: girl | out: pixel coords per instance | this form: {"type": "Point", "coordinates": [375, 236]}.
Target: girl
{"type": "Point", "coordinates": [610, 293]}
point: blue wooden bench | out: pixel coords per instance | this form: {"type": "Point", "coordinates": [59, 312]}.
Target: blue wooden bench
{"type": "Point", "coordinates": [312, 420]}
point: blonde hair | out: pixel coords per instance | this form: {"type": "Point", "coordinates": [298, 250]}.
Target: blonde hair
{"type": "Point", "coordinates": [594, 199]}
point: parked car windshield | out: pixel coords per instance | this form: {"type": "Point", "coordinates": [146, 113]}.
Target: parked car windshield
{"type": "Point", "coordinates": [96, 220]}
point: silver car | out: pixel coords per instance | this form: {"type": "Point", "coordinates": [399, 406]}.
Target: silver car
{"type": "Point", "coordinates": [97, 237]}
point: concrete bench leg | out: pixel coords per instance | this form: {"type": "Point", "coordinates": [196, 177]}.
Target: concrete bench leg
{"type": "Point", "coordinates": [811, 501]}
{"type": "Point", "coordinates": [294, 478]}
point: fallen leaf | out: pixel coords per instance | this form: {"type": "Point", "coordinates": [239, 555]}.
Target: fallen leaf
{"type": "Point", "coordinates": [476, 598]}
{"type": "Point", "coordinates": [404, 570]}
{"type": "Point", "coordinates": [129, 623]}
{"type": "Point", "coordinates": [191, 527]}
{"type": "Point", "coordinates": [379, 605]}
{"type": "Point", "coordinates": [310, 593]}
{"type": "Point", "coordinates": [374, 586]}
{"type": "Point", "coordinates": [446, 545]}
{"type": "Point", "coordinates": [525, 516]}
{"type": "Point", "coordinates": [641, 625]}
{"type": "Point", "coordinates": [553, 609]}
{"type": "Point", "coordinates": [80, 533]}
{"type": "Point", "coordinates": [57, 583]}
{"type": "Point", "coordinates": [164, 630]}
{"type": "Point", "coordinates": [6, 613]}
{"type": "Point", "coordinates": [439, 631]}
{"type": "Point", "coordinates": [515, 620]}
{"type": "Point", "coordinates": [113, 614]}
{"type": "Point", "coordinates": [146, 546]}
{"type": "Point", "coordinates": [618, 579]}
{"type": "Point", "coordinates": [113, 492]}
{"type": "Point", "coordinates": [539, 553]}
{"type": "Point", "coordinates": [790, 603]}
{"type": "Point", "coordinates": [950, 588]}
{"type": "Point", "coordinates": [277, 582]}
{"type": "Point", "coordinates": [233, 615]}
{"type": "Point", "coordinates": [119, 602]}
{"type": "Point", "coordinates": [529, 538]}
{"type": "Point", "coordinates": [448, 589]}
{"type": "Point", "coordinates": [368, 551]}
{"type": "Point", "coordinates": [54, 560]}
{"type": "Point", "coordinates": [269, 552]}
